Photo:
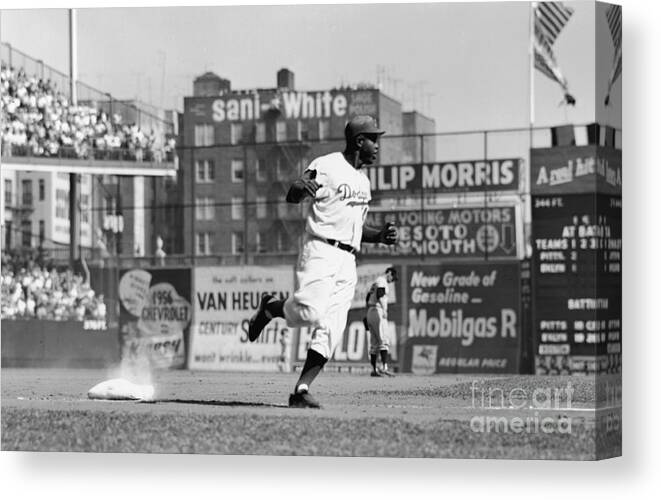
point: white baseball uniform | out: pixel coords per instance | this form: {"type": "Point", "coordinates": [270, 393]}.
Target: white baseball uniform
{"type": "Point", "coordinates": [325, 274]}
{"type": "Point", "coordinates": [377, 316]}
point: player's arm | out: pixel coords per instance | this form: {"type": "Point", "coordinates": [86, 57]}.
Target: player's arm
{"type": "Point", "coordinates": [387, 234]}
{"type": "Point", "coordinates": [305, 185]}
{"type": "Point", "coordinates": [381, 297]}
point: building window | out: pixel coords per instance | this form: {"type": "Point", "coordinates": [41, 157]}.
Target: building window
{"type": "Point", "coordinates": [205, 171]}
{"type": "Point", "coordinates": [279, 168]}
{"type": "Point", "coordinates": [108, 205]}
{"type": "Point", "coordinates": [8, 193]}
{"type": "Point", "coordinates": [237, 208]}
{"type": "Point", "coordinates": [260, 171]}
{"type": "Point", "coordinates": [237, 242]}
{"type": "Point", "coordinates": [204, 208]}
{"type": "Point", "coordinates": [260, 203]}
{"type": "Point", "coordinates": [281, 241]}
{"type": "Point", "coordinates": [200, 171]}
{"type": "Point", "coordinates": [237, 170]}
{"type": "Point", "coordinates": [42, 232]}
{"type": "Point", "coordinates": [280, 131]}
{"type": "Point", "coordinates": [204, 135]}
{"type": "Point", "coordinates": [84, 208]}
{"type": "Point", "coordinates": [8, 235]}
{"type": "Point", "coordinates": [203, 243]}
{"type": "Point", "coordinates": [236, 133]}
{"type": "Point", "coordinates": [61, 204]}
{"type": "Point", "coordinates": [302, 133]}
{"type": "Point", "coordinates": [324, 129]}
{"type": "Point", "coordinates": [260, 132]}
{"type": "Point", "coordinates": [27, 193]}
{"type": "Point", "coordinates": [42, 189]}
{"type": "Point", "coordinates": [260, 242]}
{"type": "Point", "coordinates": [26, 233]}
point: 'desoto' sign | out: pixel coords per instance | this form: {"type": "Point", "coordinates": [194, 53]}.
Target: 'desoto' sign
{"type": "Point", "coordinates": [476, 232]}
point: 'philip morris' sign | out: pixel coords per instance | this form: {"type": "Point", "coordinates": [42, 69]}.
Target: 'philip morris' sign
{"type": "Point", "coordinates": [461, 176]}
{"type": "Point", "coordinates": [576, 169]}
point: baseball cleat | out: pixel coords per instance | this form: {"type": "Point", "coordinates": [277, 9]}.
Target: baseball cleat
{"type": "Point", "coordinates": [303, 400]}
{"type": "Point", "coordinates": [375, 374]}
{"type": "Point", "coordinates": [260, 319]}
{"type": "Point", "coordinates": [387, 373]}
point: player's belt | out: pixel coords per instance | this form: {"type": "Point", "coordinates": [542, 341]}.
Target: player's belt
{"type": "Point", "coordinates": [342, 246]}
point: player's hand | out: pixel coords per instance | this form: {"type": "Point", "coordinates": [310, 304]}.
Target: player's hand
{"type": "Point", "coordinates": [389, 234]}
{"type": "Point", "coordinates": [310, 184]}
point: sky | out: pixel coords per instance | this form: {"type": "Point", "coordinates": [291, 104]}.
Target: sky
{"type": "Point", "coordinates": [464, 64]}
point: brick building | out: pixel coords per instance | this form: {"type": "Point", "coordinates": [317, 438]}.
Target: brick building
{"type": "Point", "coordinates": [239, 151]}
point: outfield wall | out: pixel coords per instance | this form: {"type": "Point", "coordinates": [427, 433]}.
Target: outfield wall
{"type": "Point", "coordinates": [48, 343]}
{"type": "Point", "coordinates": [455, 317]}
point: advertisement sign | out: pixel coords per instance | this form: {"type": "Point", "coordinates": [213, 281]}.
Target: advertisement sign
{"type": "Point", "coordinates": [450, 177]}
{"type": "Point", "coordinates": [224, 300]}
{"type": "Point", "coordinates": [155, 313]}
{"type": "Point", "coordinates": [353, 349]}
{"type": "Point", "coordinates": [576, 169]}
{"type": "Point", "coordinates": [463, 318]}
{"type": "Point", "coordinates": [363, 102]}
{"type": "Point", "coordinates": [476, 232]}
{"type": "Point", "coordinates": [291, 105]}
{"type": "Point", "coordinates": [577, 245]}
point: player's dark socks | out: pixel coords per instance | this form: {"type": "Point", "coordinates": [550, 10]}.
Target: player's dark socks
{"type": "Point", "coordinates": [384, 357]}
{"type": "Point", "coordinates": [276, 308]}
{"type": "Point", "coordinates": [373, 361]}
{"type": "Point", "coordinates": [313, 365]}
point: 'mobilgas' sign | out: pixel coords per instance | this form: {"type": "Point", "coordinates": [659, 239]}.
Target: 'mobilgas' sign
{"type": "Point", "coordinates": [463, 318]}
{"type": "Point", "coordinates": [292, 105]}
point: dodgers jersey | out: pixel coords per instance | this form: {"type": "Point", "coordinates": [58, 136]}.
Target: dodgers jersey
{"type": "Point", "coordinates": [340, 206]}
{"type": "Point", "coordinates": [372, 300]}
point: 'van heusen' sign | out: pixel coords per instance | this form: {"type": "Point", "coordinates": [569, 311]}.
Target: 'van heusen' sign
{"type": "Point", "coordinates": [459, 176]}
{"type": "Point", "coordinates": [576, 169]}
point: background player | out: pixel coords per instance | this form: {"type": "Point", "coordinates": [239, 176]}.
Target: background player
{"type": "Point", "coordinates": [326, 268]}
{"type": "Point", "coordinates": [284, 362]}
{"type": "Point", "coordinates": [376, 320]}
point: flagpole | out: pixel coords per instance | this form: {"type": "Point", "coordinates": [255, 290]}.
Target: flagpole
{"type": "Point", "coordinates": [531, 64]}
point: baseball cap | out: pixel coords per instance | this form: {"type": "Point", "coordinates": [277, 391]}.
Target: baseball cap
{"type": "Point", "coordinates": [361, 124]}
{"type": "Point", "coordinates": [392, 271]}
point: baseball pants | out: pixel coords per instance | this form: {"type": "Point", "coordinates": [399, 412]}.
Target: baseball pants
{"type": "Point", "coordinates": [325, 284]}
{"type": "Point", "coordinates": [378, 325]}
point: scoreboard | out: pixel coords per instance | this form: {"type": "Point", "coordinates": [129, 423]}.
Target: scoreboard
{"type": "Point", "coordinates": [577, 255]}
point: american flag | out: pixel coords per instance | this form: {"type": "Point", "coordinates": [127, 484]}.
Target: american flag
{"type": "Point", "coordinates": [549, 20]}
{"type": "Point", "coordinates": [614, 18]}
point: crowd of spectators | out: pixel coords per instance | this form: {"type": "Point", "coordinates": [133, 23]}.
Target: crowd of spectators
{"type": "Point", "coordinates": [30, 290]}
{"type": "Point", "coordinates": [38, 120]}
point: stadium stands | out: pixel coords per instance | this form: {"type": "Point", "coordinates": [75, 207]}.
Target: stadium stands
{"type": "Point", "coordinates": [39, 120]}
{"type": "Point", "coordinates": [31, 290]}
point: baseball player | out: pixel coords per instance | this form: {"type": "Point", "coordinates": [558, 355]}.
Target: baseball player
{"type": "Point", "coordinates": [326, 269]}
{"type": "Point", "coordinates": [376, 320]}
{"type": "Point", "coordinates": [285, 359]}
